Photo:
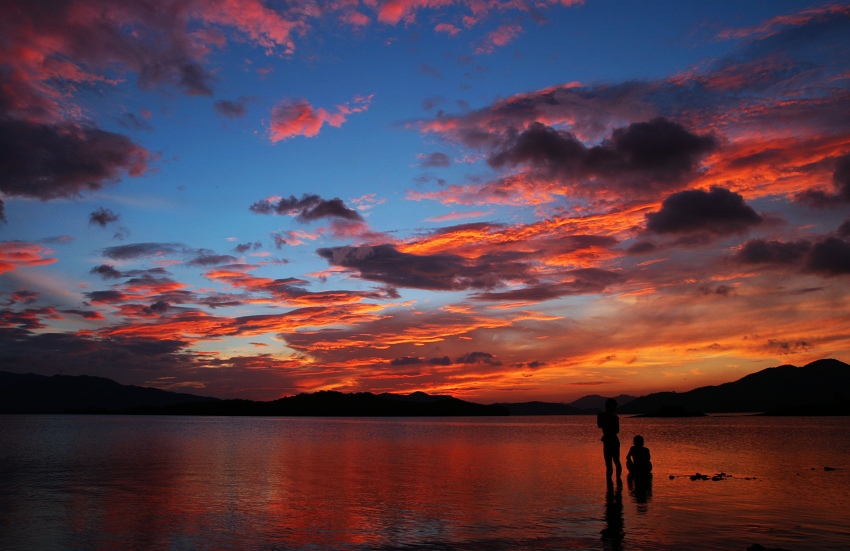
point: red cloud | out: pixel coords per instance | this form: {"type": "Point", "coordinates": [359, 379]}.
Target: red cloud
{"type": "Point", "coordinates": [20, 253]}
{"type": "Point", "coordinates": [296, 117]}
{"type": "Point", "coordinates": [498, 38]}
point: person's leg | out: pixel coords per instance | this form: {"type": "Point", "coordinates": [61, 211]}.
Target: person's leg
{"type": "Point", "coordinates": [616, 460]}
{"type": "Point", "coordinates": [609, 458]}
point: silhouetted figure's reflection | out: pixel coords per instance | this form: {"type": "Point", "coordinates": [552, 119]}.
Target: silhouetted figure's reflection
{"type": "Point", "coordinates": [640, 488]}
{"type": "Point", "coordinates": [610, 425]}
{"type": "Point", "coordinates": [613, 533]}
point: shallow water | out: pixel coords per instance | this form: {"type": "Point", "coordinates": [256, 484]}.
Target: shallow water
{"type": "Point", "coordinates": [124, 482]}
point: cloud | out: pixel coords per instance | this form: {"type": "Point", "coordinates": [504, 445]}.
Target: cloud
{"type": "Point", "coordinates": [447, 28]}
{"type": "Point", "coordinates": [718, 211]}
{"type": "Point", "coordinates": [102, 217]}
{"type": "Point", "coordinates": [48, 161]}
{"type": "Point", "coordinates": [478, 358]}
{"type": "Point", "coordinates": [762, 251]}
{"type": "Point", "coordinates": [232, 109]}
{"type": "Point", "coordinates": [498, 38]}
{"type": "Point", "coordinates": [841, 182]}
{"type": "Point", "coordinates": [308, 208]}
{"type": "Point", "coordinates": [210, 259]}
{"type": "Point", "coordinates": [644, 157]}
{"type": "Point", "coordinates": [437, 272]}
{"type": "Point", "coordinates": [435, 160]}
{"type": "Point", "coordinates": [830, 257]}
{"type": "Point", "coordinates": [827, 256]}
{"type": "Point", "coordinates": [140, 250]}
{"type": "Point", "coordinates": [107, 271]}
{"type": "Point", "coordinates": [14, 254]}
{"type": "Point", "coordinates": [576, 282]}
{"type": "Point", "coordinates": [296, 117]}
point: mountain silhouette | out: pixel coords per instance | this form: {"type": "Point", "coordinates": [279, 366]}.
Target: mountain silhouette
{"type": "Point", "coordinates": [597, 402]}
{"type": "Point", "coordinates": [822, 386]}
{"type": "Point", "coordinates": [30, 393]}
{"type": "Point", "coordinates": [329, 403]}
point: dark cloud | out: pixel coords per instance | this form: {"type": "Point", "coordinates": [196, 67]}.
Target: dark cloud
{"type": "Point", "coordinates": [245, 247]}
{"type": "Point", "coordinates": [478, 358]}
{"type": "Point", "coordinates": [841, 177]}
{"type": "Point", "coordinates": [438, 272]}
{"type": "Point", "coordinates": [642, 247]}
{"type": "Point", "coordinates": [436, 160]}
{"type": "Point", "coordinates": [43, 161]}
{"type": "Point", "coordinates": [83, 354]}
{"type": "Point", "coordinates": [762, 251]}
{"type": "Point", "coordinates": [141, 250]}
{"type": "Point", "coordinates": [158, 308]}
{"type": "Point", "coordinates": [655, 155]}
{"type": "Point", "coordinates": [719, 211]}
{"type": "Point", "coordinates": [212, 260]}
{"type": "Point", "coordinates": [23, 296]}
{"type": "Point", "coordinates": [107, 271]}
{"type": "Point", "coordinates": [85, 314]}
{"type": "Point", "coordinates": [415, 360]}
{"type": "Point", "coordinates": [102, 217]}
{"type": "Point", "coordinates": [722, 290]}
{"type": "Point", "coordinates": [407, 360]}
{"type": "Point", "coordinates": [844, 229]}
{"type": "Point", "coordinates": [829, 256]}
{"type": "Point", "coordinates": [232, 109]}
{"type": "Point", "coordinates": [841, 182]}
{"type": "Point", "coordinates": [308, 208]}
{"type": "Point", "coordinates": [2, 212]}
{"type": "Point", "coordinates": [106, 297]}
{"type": "Point", "coordinates": [583, 281]}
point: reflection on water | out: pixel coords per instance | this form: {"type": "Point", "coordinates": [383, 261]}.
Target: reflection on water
{"type": "Point", "coordinates": [640, 488]}
{"type": "Point", "coordinates": [613, 532]}
{"type": "Point", "coordinates": [78, 482]}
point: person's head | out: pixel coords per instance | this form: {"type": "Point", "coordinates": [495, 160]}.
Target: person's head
{"type": "Point", "coordinates": [638, 440]}
{"type": "Point", "coordinates": [610, 405]}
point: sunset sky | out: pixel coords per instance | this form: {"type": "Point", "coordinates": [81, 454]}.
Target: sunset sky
{"type": "Point", "coordinates": [500, 200]}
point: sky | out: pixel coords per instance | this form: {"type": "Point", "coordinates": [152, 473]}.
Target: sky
{"type": "Point", "coordinates": [500, 200]}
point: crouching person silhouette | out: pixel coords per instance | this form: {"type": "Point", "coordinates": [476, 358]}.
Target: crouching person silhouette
{"type": "Point", "coordinates": [638, 459]}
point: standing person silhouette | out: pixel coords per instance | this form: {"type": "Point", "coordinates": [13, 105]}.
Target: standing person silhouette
{"type": "Point", "coordinates": [610, 425]}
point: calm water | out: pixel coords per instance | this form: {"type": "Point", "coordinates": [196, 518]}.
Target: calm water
{"type": "Point", "coordinates": [92, 482]}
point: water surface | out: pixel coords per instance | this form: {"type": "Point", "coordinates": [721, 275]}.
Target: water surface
{"type": "Point", "coordinates": [127, 482]}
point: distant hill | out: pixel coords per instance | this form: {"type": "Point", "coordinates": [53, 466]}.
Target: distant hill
{"type": "Point", "coordinates": [32, 393]}
{"type": "Point", "coordinates": [328, 403]}
{"type": "Point", "coordinates": [820, 385]}
{"type": "Point", "coordinates": [597, 402]}
{"type": "Point", "coordinates": [588, 405]}
{"type": "Point", "coordinates": [542, 408]}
